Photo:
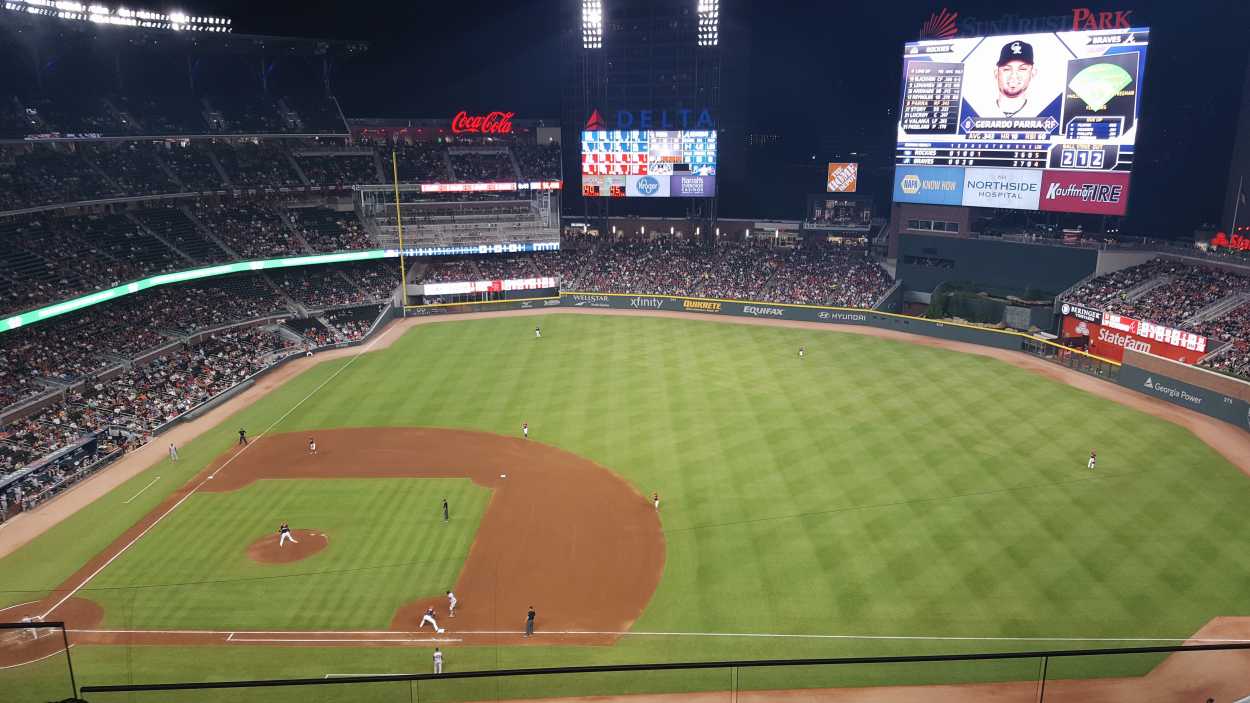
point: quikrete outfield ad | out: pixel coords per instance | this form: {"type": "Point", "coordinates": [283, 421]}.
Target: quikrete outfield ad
{"type": "Point", "coordinates": [875, 497]}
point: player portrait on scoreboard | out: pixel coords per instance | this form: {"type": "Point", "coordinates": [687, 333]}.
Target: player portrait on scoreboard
{"type": "Point", "coordinates": [1015, 77]}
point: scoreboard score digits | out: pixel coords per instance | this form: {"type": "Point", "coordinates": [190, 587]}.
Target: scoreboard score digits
{"type": "Point", "coordinates": [1050, 117]}
{"type": "Point", "coordinates": [648, 164]}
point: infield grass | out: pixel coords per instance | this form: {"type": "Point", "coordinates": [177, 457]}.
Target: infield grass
{"type": "Point", "coordinates": [874, 488]}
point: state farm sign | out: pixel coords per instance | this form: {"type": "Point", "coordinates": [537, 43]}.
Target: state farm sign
{"type": "Point", "coordinates": [490, 123]}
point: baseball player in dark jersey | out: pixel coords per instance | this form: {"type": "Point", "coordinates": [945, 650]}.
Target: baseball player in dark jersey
{"type": "Point", "coordinates": [284, 534]}
{"type": "Point", "coordinates": [446, 511]}
{"type": "Point", "coordinates": [242, 436]}
{"type": "Point", "coordinates": [429, 617]}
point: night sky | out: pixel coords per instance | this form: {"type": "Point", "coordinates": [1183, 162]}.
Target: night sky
{"type": "Point", "coordinates": [826, 70]}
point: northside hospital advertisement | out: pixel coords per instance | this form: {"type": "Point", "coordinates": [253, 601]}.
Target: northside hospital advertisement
{"type": "Point", "coordinates": [1044, 121]}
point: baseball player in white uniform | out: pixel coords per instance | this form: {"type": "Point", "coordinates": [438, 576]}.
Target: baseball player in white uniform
{"type": "Point", "coordinates": [1093, 459]}
{"type": "Point", "coordinates": [312, 446]}
{"type": "Point", "coordinates": [429, 617]}
{"type": "Point", "coordinates": [451, 604]}
{"type": "Point", "coordinates": [655, 498]}
{"type": "Point", "coordinates": [284, 533]}
{"type": "Point", "coordinates": [525, 429]}
{"type": "Point", "coordinates": [438, 660]}
{"type": "Point", "coordinates": [173, 453]}
{"type": "Point", "coordinates": [538, 333]}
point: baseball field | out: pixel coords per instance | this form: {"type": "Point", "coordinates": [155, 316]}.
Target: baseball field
{"type": "Point", "coordinates": [877, 497]}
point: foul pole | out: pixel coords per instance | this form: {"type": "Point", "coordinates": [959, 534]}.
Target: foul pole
{"type": "Point", "coordinates": [399, 223]}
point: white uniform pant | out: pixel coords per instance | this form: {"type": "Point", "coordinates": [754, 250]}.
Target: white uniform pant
{"type": "Point", "coordinates": [430, 619]}
{"type": "Point", "coordinates": [285, 536]}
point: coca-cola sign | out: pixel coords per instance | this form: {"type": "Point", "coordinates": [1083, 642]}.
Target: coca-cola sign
{"type": "Point", "coordinates": [491, 123]}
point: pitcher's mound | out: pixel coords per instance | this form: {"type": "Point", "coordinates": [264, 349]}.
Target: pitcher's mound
{"type": "Point", "coordinates": [266, 550]}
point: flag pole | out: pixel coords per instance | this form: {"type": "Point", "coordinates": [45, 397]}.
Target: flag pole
{"type": "Point", "coordinates": [1241, 194]}
{"type": "Point", "coordinates": [399, 223]}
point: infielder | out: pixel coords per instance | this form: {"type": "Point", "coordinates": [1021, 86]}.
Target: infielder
{"type": "Point", "coordinates": [312, 446]}
{"type": "Point", "coordinates": [173, 453]}
{"type": "Point", "coordinates": [438, 660]}
{"type": "Point", "coordinates": [284, 533]}
{"type": "Point", "coordinates": [655, 498]}
{"type": "Point", "coordinates": [429, 617]}
{"type": "Point", "coordinates": [451, 604]}
{"type": "Point", "coordinates": [525, 429]}
{"type": "Point", "coordinates": [1093, 459]}
{"type": "Point", "coordinates": [242, 437]}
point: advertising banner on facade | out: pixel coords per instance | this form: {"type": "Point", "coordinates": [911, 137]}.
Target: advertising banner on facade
{"type": "Point", "coordinates": [1094, 192]}
{"type": "Point", "coordinates": [842, 178]}
{"type": "Point", "coordinates": [1111, 335]}
{"type": "Point", "coordinates": [939, 185]}
{"type": "Point", "coordinates": [1013, 188]}
{"type": "Point", "coordinates": [646, 186]}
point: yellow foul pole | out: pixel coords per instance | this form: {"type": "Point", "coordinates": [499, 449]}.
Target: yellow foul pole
{"type": "Point", "coordinates": [399, 222]}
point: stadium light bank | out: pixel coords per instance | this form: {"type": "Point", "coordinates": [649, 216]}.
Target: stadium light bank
{"type": "Point", "coordinates": [175, 20]}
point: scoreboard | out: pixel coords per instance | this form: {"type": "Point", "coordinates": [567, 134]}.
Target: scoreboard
{"type": "Point", "coordinates": [1041, 121]}
{"type": "Point", "coordinates": [648, 164]}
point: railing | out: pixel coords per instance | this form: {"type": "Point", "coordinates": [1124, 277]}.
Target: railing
{"type": "Point", "coordinates": [1193, 672]}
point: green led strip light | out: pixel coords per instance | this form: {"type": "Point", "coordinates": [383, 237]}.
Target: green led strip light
{"type": "Point", "coordinates": [85, 301]}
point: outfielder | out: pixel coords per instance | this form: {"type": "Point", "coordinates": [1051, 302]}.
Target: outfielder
{"type": "Point", "coordinates": [802, 351]}
{"type": "Point", "coordinates": [538, 333]}
{"type": "Point", "coordinates": [1093, 459]}
{"type": "Point", "coordinates": [438, 660]}
{"type": "Point", "coordinates": [429, 617]}
{"type": "Point", "coordinates": [451, 604]}
{"type": "Point", "coordinates": [284, 533]}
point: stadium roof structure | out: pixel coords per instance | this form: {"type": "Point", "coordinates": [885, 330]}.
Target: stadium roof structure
{"type": "Point", "coordinates": [45, 28]}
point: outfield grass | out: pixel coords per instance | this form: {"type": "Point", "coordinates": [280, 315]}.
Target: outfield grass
{"type": "Point", "coordinates": [873, 488]}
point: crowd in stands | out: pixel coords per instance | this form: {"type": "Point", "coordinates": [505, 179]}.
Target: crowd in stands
{"type": "Point", "coordinates": [355, 322]}
{"type": "Point", "coordinates": [1189, 289]}
{"type": "Point", "coordinates": [476, 166]}
{"type": "Point", "coordinates": [33, 175]}
{"type": "Point", "coordinates": [538, 161]}
{"type": "Point", "coordinates": [1173, 293]}
{"type": "Point", "coordinates": [344, 169]}
{"type": "Point", "coordinates": [815, 273]}
{"type": "Point", "coordinates": [252, 229]}
{"type": "Point", "coordinates": [330, 230]}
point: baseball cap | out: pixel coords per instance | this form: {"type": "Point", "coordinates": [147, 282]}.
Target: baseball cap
{"type": "Point", "coordinates": [1016, 51]}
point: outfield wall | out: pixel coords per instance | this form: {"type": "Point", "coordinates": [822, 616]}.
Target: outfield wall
{"type": "Point", "coordinates": [804, 313]}
{"type": "Point", "coordinates": [1207, 392]}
